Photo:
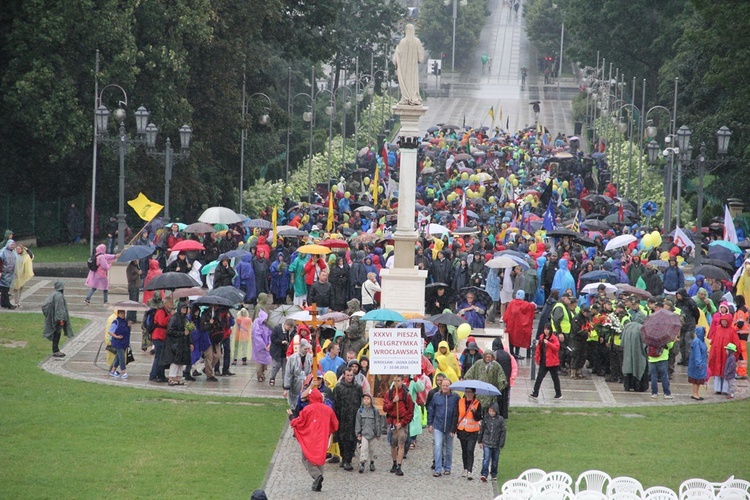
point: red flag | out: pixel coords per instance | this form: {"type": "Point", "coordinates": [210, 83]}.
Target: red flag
{"type": "Point", "coordinates": [384, 155]}
{"type": "Point", "coordinates": [462, 219]}
{"type": "Point", "coordinates": [621, 214]}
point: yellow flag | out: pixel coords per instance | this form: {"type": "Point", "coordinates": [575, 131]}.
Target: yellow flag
{"type": "Point", "coordinates": [375, 182]}
{"type": "Point", "coordinates": [491, 112]}
{"type": "Point", "coordinates": [538, 128]}
{"type": "Point", "coordinates": [274, 222]}
{"type": "Point", "coordinates": [329, 224]}
{"type": "Point", "coordinates": [145, 208]}
{"type": "Point", "coordinates": [500, 118]}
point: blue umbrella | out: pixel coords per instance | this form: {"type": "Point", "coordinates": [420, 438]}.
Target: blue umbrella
{"type": "Point", "coordinates": [383, 315]}
{"type": "Point", "coordinates": [232, 254]}
{"type": "Point", "coordinates": [472, 214]}
{"type": "Point", "coordinates": [205, 270]}
{"type": "Point", "coordinates": [726, 244]}
{"type": "Point", "coordinates": [429, 327]}
{"type": "Point", "coordinates": [481, 388]}
{"type": "Point", "coordinates": [136, 252]}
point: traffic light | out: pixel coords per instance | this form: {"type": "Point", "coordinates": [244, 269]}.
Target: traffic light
{"type": "Point", "coordinates": [435, 68]}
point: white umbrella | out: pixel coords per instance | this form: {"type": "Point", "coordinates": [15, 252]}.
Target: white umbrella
{"type": "Point", "coordinates": [438, 229]}
{"type": "Point", "coordinates": [593, 288]}
{"type": "Point", "coordinates": [364, 208]}
{"type": "Point", "coordinates": [300, 316]}
{"type": "Point", "coordinates": [620, 241]}
{"type": "Point", "coordinates": [501, 262]}
{"type": "Point", "coordinates": [220, 215]}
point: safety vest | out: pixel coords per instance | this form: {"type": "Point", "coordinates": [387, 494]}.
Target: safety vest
{"type": "Point", "coordinates": [565, 321]}
{"type": "Point", "coordinates": [617, 337]}
{"type": "Point", "coordinates": [466, 420]}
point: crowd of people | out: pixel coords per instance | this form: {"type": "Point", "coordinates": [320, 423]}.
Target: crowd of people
{"type": "Point", "coordinates": [518, 229]}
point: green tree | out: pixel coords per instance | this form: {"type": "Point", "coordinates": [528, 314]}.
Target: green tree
{"type": "Point", "coordinates": [436, 29]}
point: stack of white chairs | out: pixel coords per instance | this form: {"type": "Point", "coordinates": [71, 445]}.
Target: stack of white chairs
{"type": "Point", "coordinates": [696, 489]}
{"type": "Point", "coordinates": [734, 489]}
{"type": "Point", "coordinates": [660, 493]}
{"type": "Point", "coordinates": [624, 486]}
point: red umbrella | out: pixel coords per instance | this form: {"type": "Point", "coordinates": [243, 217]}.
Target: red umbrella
{"type": "Point", "coordinates": [187, 246]}
{"type": "Point", "coordinates": [661, 328]}
{"type": "Point", "coordinates": [334, 243]}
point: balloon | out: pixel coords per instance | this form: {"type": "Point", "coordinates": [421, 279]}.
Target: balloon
{"type": "Point", "coordinates": [288, 190]}
{"type": "Point", "coordinates": [463, 331]}
{"type": "Point", "coordinates": [647, 241]}
{"type": "Point", "coordinates": [380, 189]}
{"type": "Point", "coordinates": [366, 180]}
{"type": "Point", "coordinates": [473, 178]}
{"type": "Point", "coordinates": [334, 188]}
{"type": "Point", "coordinates": [464, 176]}
{"type": "Point", "coordinates": [565, 184]}
{"type": "Point", "coordinates": [511, 177]}
{"type": "Point", "coordinates": [469, 193]}
{"type": "Point", "coordinates": [482, 189]}
{"type": "Point", "coordinates": [656, 238]}
{"type": "Point", "coordinates": [347, 194]}
{"type": "Point", "coordinates": [560, 191]}
{"type": "Point", "coordinates": [547, 181]}
{"type": "Point", "coordinates": [515, 182]}
{"type": "Point", "coordinates": [528, 198]}
{"type": "Point", "coordinates": [451, 197]}
{"type": "Point", "coordinates": [502, 181]}
{"type": "Point", "coordinates": [664, 256]}
{"type": "Point", "coordinates": [492, 199]}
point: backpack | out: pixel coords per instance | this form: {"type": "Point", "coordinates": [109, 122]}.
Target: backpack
{"type": "Point", "coordinates": [92, 264]}
{"type": "Point", "coordinates": [148, 325]}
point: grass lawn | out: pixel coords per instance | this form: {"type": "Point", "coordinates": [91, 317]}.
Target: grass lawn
{"type": "Point", "coordinates": [61, 253]}
{"type": "Point", "coordinates": [658, 446]}
{"type": "Point", "coordinates": [62, 438]}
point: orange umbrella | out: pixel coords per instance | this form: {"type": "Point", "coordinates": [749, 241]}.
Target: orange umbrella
{"type": "Point", "coordinates": [314, 249]}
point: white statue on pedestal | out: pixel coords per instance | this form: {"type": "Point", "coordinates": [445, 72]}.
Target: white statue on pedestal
{"type": "Point", "coordinates": [409, 53]}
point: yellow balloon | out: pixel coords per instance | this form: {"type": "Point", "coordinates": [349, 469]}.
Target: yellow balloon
{"type": "Point", "coordinates": [463, 331]}
{"type": "Point", "coordinates": [380, 189]}
{"type": "Point", "coordinates": [511, 177]}
{"type": "Point", "coordinates": [347, 194]}
{"type": "Point", "coordinates": [469, 193]}
{"type": "Point", "coordinates": [547, 181]}
{"type": "Point", "coordinates": [464, 176]}
{"type": "Point", "coordinates": [366, 180]}
{"type": "Point", "coordinates": [664, 256]}
{"type": "Point", "coordinates": [515, 182]}
{"type": "Point", "coordinates": [334, 188]}
{"type": "Point", "coordinates": [560, 191]}
{"type": "Point", "coordinates": [656, 238]}
{"type": "Point", "coordinates": [565, 184]}
{"type": "Point", "coordinates": [288, 190]}
{"type": "Point", "coordinates": [528, 198]}
{"type": "Point", "coordinates": [473, 178]}
{"type": "Point", "coordinates": [502, 181]}
{"type": "Point", "coordinates": [482, 189]}
{"type": "Point", "coordinates": [512, 205]}
{"type": "Point", "coordinates": [492, 199]}
{"type": "Point", "coordinates": [647, 241]}
{"type": "Point", "coordinates": [451, 197]}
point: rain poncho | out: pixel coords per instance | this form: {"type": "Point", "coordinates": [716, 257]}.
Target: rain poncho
{"type": "Point", "coordinates": [55, 309]}
{"type": "Point", "coordinates": [563, 279]}
{"type": "Point", "coordinates": [698, 363]}
{"type": "Point", "coordinates": [245, 278]}
{"type": "Point", "coordinates": [261, 339]}
{"type": "Point", "coordinates": [7, 264]}
{"type": "Point", "coordinates": [313, 428]}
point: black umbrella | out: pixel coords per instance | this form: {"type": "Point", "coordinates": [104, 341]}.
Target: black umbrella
{"type": "Point", "coordinates": [232, 254]}
{"type": "Point", "coordinates": [720, 253]}
{"type": "Point", "coordinates": [292, 233]}
{"type": "Point", "coordinates": [562, 232]}
{"type": "Point", "coordinates": [584, 241]}
{"type": "Point", "coordinates": [228, 292]}
{"type": "Point", "coordinates": [213, 300]}
{"type": "Point", "coordinates": [433, 129]}
{"type": "Point", "coordinates": [480, 295]}
{"type": "Point", "coordinates": [171, 281]}
{"type": "Point", "coordinates": [437, 284]}
{"type": "Point", "coordinates": [599, 276]}
{"type": "Point", "coordinates": [514, 253]}
{"type": "Point", "coordinates": [718, 263]}
{"type": "Point", "coordinates": [136, 252]}
{"type": "Point", "coordinates": [615, 219]}
{"type": "Point", "coordinates": [447, 319]}
{"type": "Point", "coordinates": [597, 225]}
{"type": "Point", "coordinates": [712, 272]}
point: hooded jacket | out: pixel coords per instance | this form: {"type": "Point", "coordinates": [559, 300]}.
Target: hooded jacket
{"type": "Point", "coordinates": [698, 363]}
{"type": "Point", "coordinates": [492, 431]}
{"type": "Point", "coordinates": [245, 278]}
{"type": "Point", "coordinates": [563, 278]}
{"type": "Point", "coordinates": [313, 428]}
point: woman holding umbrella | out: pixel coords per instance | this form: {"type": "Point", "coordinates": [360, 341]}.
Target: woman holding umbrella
{"type": "Point", "coordinates": [469, 418]}
{"type": "Point", "coordinates": [178, 344]}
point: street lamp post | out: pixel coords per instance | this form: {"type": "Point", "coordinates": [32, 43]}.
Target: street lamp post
{"type": "Point", "coordinates": [345, 107]}
{"type": "Point", "coordinates": [455, 16]}
{"type": "Point", "coordinates": [263, 120]}
{"type": "Point", "coordinates": [121, 143]}
{"type": "Point", "coordinates": [170, 156]}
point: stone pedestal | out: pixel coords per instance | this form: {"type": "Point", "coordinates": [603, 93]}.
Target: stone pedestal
{"type": "Point", "coordinates": [403, 286]}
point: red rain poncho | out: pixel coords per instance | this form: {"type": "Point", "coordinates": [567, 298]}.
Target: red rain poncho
{"type": "Point", "coordinates": [313, 428]}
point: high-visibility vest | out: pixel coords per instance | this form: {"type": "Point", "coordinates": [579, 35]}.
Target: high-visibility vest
{"type": "Point", "coordinates": [565, 321]}
{"type": "Point", "coordinates": [466, 420]}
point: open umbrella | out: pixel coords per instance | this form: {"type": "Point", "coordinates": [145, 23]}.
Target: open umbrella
{"type": "Point", "coordinates": [437, 229]}
{"type": "Point", "coordinates": [171, 281]}
{"type": "Point", "coordinates": [718, 263]}
{"type": "Point", "coordinates": [596, 225]}
{"type": "Point", "coordinates": [722, 253]}
{"type": "Point", "coordinates": [228, 292]}
{"type": "Point", "coordinates": [281, 313]}
{"type": "Point", "coordinates": [501, 262]}
{"type": "Point", "coordinates": [188, 292]}
{"type": "Point", "coordinates": [427, 171]}
{"type": "Point", "coordinates": [659, 264]}
{"type": "Point", "coordinates": [562, 232]}
{"type": "Point", "coordinates": [599, 277]}
{"type": "Point", "coordinates": [726, 244]}
{"type": "Point", "coordinates": [129, 305]}
{"type": "Point", "coordinates": [200, 228]}
{"type": "Point", "coordinates": [259, 224]}
{"type": "Point", "coordinates": [660, 328]}
{"type": "Point", "coordinates": [213, 300]}
{"type": "Point", "coordinates": [314, 250]}
{"type": "Point", "coordinates": [480, 295]}
{"type": "Point", "coordinates": [594, 288]}
{"type": "Point", "coordinates": [209, 268]}
{"type": "Point", "coordinates": [188, 246]}
{"type": "Point", "coordinates": [480, 388]}
{"type": "Point", "coordinates": [334, 243]}
{"type": "Point", "coordinates": [620, 241]}
{"type": "Point", "coordinates": [364, 208]}
{"type": "Point", "coordinates": [447, 319]}
{"type": "Point", "coordinates": [136, 252]}
{"type": "Point", "coordinates": [429, 328]}
{"type": "Point", "coordinates": [615, 219]}
{"type": "Point", "coordinates": [334, 316]}
{"type": "Point", "coordinates": [220, 215]}
{"type": "Point", "coordinates": [632, 290]}
{"type": "Point", "coordinates": [712, 272]}
{"type": "Point", "coordinates": [292, 233]}
{"type": "Point", "coordinates": [383, 315]}
{"type": "Point", "coordinates": [232, 254]}
{"type": "Point", "coordinates": [462, 156]}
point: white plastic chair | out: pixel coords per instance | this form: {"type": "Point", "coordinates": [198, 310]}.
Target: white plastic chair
{"type": "Point", "coordinates": [554, 494]}
{"type": "Point", "coordinates": [697, 494]}
{"type": "Point", "coordinates": [660, 493]}
{"type": "Point", "coordinates": [595, 480]}
{"type": "Point", "coordinates": [624, 484]}
{"type": "Point", "coordinates": [556, 487]}
{"type": "Point", "coordinates": [534, 476]}
{"type": "Point", "coordinates": [624, 495]}
{"type": "Point", "coordinates": [590, 495]}
{"type": "Point", "coordinates": [518, 488]}
{"type": "Point", "coordinates": [739, 484]}
{"type": "Point", "coordinates": [729, 493]}
{"type": "Point", "coordinates": [696, 484]}
{"type": "Point", "coordinates": [558, 477]}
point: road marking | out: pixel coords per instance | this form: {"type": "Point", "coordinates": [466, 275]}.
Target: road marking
{"type": "Point", "coordinates": [28, 293]}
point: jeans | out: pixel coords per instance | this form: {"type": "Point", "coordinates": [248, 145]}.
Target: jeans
{"type": "Point", "coordinates": [120, 359]}
{"type": "Point", "coordinates": [91, 294]}
{"type": "Point", "coordinates": [659, 371]}
{"type": "Point", "coordinates": [278, 364]}
{"type": "Point", "coordinates": [157, 371]}
{"type": "Point", "coordinates": [437, 450]}
{"type": "Point", "coordinates": [492, 454]}
{"type": "Point", "coordinates": [323, 310]}
{"type": "Point", "coordinates": [111, 244]}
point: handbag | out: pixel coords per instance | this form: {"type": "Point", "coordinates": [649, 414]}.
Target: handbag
{"type": "Point", "coordinates": [129, 358]}
{"type": "Point", "coordinates": [112, 349]}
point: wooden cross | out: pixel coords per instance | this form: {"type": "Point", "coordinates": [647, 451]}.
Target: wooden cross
{"type": "Point", "coordinates": [314, 323]}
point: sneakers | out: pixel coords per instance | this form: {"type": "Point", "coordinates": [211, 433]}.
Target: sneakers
{"type": "Point", "coordinates": [87, 302]}
{"type": "Point", "coordinates": [494, 478]}
{"type": "Point", "coordinates": [348, 467]}
{"type": "Point", "coordinates": [212, 379]}
{"type": "Point", "coordinates": [361, 467]}
{"type": "Point", "coordinates": [730, 396]}
{"type": "Point", "coordinates": [317, 484]}
{"type": "Point", "coordinates": [668, 396]}
{"type": "Point", "coordinates": [114, 374]}
{"type": "Point", "coordinates": [58, 354]}
{"type": "Point", "coordinates": [483, 479]}
{"type": "Point", "coordinates": [653, 396]}
{"type": "Point", "coordinates": [559, 396]}
{"type": "Point", "coordinates": [468, 476]}
{"type": "Point", "coordinates": [533, 396]}
{"type": "Point", "coordinates": [464, 473]}
{"type": "Point", "coordinates": [124, 376]}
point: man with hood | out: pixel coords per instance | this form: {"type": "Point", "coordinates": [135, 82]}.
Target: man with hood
{"type": "Point", "coordinates": [56, 318]}
{"type": "Point", "coordinates": [634, 360]}
{"type": "Point", "coordinates": [579, 333]}
{"type": "Point", "coordinates": [357, 274]}
{"type": "Point", "coordinates": [674, 279]}
{"type": "Point", "coordinates": [313, 429]}
{"type": "Point", "coordinates": [441, 270]}
{"type": "Point", "coordinates": [298, 367]}
{"type": "Point", "coordinates": [721, 333]}
{"type": "Point", "coordinates": [636, 270]}
{"type": "Point", "coordinates": [398, 407]}
{"type": "Point", "coordinates": [245, 279]}
{"type": "Point", "coordinates": [262, 270]}
{"type": "Point", "coordinates": [339, 278]}
{"type": "Point", "coordinates": [545, 317]}
{"type": "Point", "coordinates": [510, 368]}
{"type": "Point", "coordinates": [298, 277]}
{"type": "Point", "coordinates": [442, 422]}
{"type": "Point", "coordinates": [354, 335]}
{"type": "Point", "coordinates": [347, 396]}
{"type": "Point", "coordinates": [563, 280]}
{"type": "Point", "coordinates": [651, 282]}
{"type": "Point", "coordinates": [690, 316]}
{"type": "Point", "coordinates": [548, 274]}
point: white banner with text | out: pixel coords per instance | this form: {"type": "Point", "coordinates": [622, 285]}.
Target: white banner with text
{"type": "Point", "coordinates": [396, 351]}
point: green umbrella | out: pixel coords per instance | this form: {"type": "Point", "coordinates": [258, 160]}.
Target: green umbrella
{"type": "Point", "coordinates": [221, 227]}
{"type": "Point", "coordinates": [209, 267]}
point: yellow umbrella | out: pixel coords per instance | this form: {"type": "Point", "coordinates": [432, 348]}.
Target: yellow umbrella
{"type": "Point", "coordinates": [314, 249]}
{"type": "Point", "coordinates": [412, 315]}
